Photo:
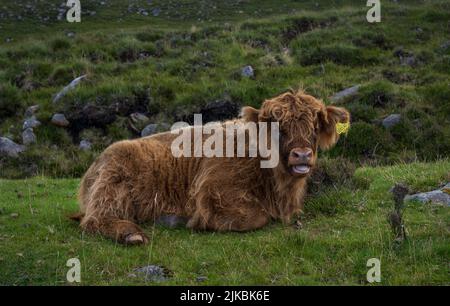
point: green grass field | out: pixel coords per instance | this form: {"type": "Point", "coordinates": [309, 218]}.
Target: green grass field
{"type": "Point", "coordinates": [342, 229]}
{"type": "Point", "coordinates": [191, 54]}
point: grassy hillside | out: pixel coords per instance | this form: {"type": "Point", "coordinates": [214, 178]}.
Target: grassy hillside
{"type": "Point", "coordinates": [168, 59]}
{"type": "Point", "coordinates": [342, 229]}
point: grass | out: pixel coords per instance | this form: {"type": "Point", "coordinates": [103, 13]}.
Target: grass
{"type": "Point", "coordinates": [342, 229]}
{"type": "Point", "coordinates": [192, 53]}
{"type": "Point", "coordinates": [174, 64]}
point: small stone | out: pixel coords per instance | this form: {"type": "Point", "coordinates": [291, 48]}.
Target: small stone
{"type": "Point", "coordinates": [153, 273]}
{"type": "Point", "coordinates": [31, 111]}
{"type": "Point", "coordinates": [14, 215]}
{"type": "Point", "coordinates": [156, 12]}
{"type": "Point", "coordinates": [408, 60]}
{"type": "Point", "coordinates": [201, 279]}
{"type": "Point", "coordinates": [391, 120]}
{"type": "Point", "coordinates": [445, 45]}
{"type": "Point", "coordinates": [85, 145]}
{"type": "Point", "coordinates": [149, 130]}
{"type": "Point", "coordinates": [60, 120]}
{"type": "Point", "coordinates": [248, 72]}
{"type": "Point", "coordinates": [28, 137]}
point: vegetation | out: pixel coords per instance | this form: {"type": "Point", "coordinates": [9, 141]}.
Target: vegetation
{"type": "Point", "coordinates": [187, 54]}
{"type": "Point", "coordinates": [167, 59]}
{"type": "Point", "coordinates": [342, 229]}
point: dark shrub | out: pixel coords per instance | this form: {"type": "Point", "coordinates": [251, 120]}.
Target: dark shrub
{"type": "Point", "coordinates": [148, 36]}
{"type": "Point", "coordinates": [364, 140]}
{"type": "Point", "coordinates": [361, 112]}
{"type": "Point", "coordinates": [331, 172]}
{"type": "Point", "coordinates": [378, 94]}
{"type": "Point", "coordinates": [338, 54]}
{"type": "Point", "coordinates": [438, 95]}
{"type": "Point", "coordinates": [60, 44]}
{"type": "Point", "coordinates": [10, 101]}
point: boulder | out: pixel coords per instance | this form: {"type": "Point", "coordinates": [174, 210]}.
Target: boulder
{"type": "Point", "coordinates": [60, 120]}
{"type": "Point", "coordinates": [345, 94]}
{"type": "Point", "coordinates": [149, 130]}
{"type": "Point", "coordinates": [31, 122]}
{"type": "Point", "coordinates": [10, 148]}
{"type": "Point", "coordinates": [391, 120]}
{"type": "Point", "coordinates": [439, 196]}
{"type": "Point", "coordinates": [28, 137]}
{"type": "Point", "coordinates": [69, 87]}
{"type": "Point", "coordinates": [138, 121]}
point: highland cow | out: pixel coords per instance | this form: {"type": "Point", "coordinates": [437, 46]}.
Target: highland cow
{"type": "Point", "coordinates": [137, 181]}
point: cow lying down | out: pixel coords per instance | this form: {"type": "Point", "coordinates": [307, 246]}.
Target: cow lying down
{"type": "Point", "coordinates": [137, 181]}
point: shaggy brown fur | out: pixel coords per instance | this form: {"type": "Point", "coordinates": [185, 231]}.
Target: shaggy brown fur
{"type": "Point", "coordinates": [139, 180]}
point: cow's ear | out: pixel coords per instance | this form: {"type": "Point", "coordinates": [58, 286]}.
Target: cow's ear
{"type": "Point", "coordinates": [250, 114]}
{"type": "Point", "coordinates": [328, 118]}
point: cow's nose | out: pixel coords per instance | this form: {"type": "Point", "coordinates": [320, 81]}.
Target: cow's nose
{"type": "Point", "coordinates": [301, 155]}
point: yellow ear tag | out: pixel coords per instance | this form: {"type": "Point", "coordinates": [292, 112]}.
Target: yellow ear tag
{"type": "Point", "coordinates": [342, 128]}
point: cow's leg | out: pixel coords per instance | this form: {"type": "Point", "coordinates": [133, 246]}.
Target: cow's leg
{"type": "Point", "coordinates": [240, 218]}
{"type": "Point", "coordinates": [110, 211]}
{"type": "Point", "coordinates": [122, 231]}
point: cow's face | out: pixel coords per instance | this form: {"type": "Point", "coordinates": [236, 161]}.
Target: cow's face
{"type": "Point", "coordinates": [305, 125]}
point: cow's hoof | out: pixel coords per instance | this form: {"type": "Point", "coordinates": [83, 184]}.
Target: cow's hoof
{"type": "Point", "coordinates": [136, 239]}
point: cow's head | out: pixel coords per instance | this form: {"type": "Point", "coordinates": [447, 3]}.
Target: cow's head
{"type": "Point", "coordinates": [305, 125]}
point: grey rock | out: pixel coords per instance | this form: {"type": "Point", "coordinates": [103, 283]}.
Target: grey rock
{"type": "Point", "coordinates": [149, 130]}
{"type": "Point", "coordinates": [10, 148]}
{"type": "Point", "coordinates": [408, 60]}
{"type": "Point", "coordinates": [201, 279]}
{"type": "Point", "coordinates": [163, 126]}
{"type": "Point", "coordinates": [153, 273]}
{"type": "Point", "coordinates": [60, 120]}
{"type": "Point", "coordinates": [69, 87]}
{"type": "Point", "coordinates": [445, 45]}
{"type": "Point", "coordinates": [85, 145]}
{"type": "Point", "coordinates": [439, 196]}
{"type": "Point", "coordinates": [171, 221]}
{"type": "Point", "coordinates": [248, 72]}
{"type": "Point", "coordinates": [345, 94]}
{"type": "Point", "coordinates": [138, 121]}
{"type": "Point", "coordinates": [391, 120]}
{"type": "Point", "coordinates": [28, 137]}
{"type": "Point", "coordinates": [31, 122]}
{"type": "Point", "coordinates": [31, 111]}
{"type": "Point", "coordinates": [156, 12]}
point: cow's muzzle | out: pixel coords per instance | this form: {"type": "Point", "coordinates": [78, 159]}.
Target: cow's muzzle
{"type": "Point", "coordinates": [300, 161]}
